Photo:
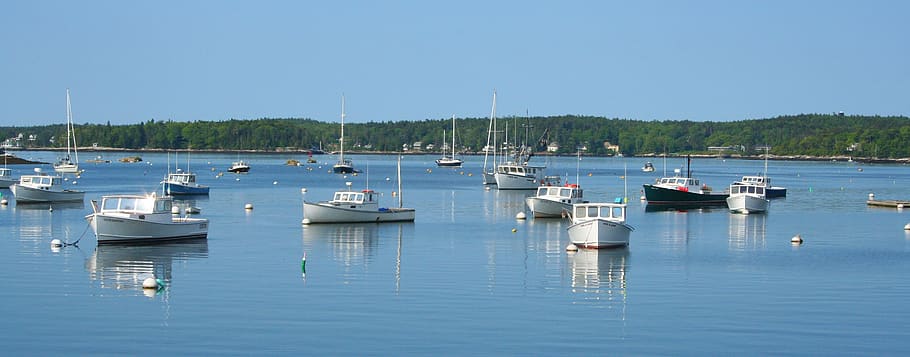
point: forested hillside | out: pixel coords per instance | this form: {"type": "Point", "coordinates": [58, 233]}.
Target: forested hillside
{"type": "Point", "coordinates": [805, 134]}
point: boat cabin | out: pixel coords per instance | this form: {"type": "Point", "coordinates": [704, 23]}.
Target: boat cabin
{"type": "Point", "coordinates": [43, 181]}
{"type": "Point", "coordinates": [136, 204]}
{"type": "Point", "coordinates": [677, 181]}
{"type": "Point", "coordinates": [753, 190]}
{"type": "Point", "coordinates": [562, 194]}
{"type": "Point", "coordinates": [5, 172]}
{"type": "Point", "coordinates": [182, 178]}
{"type": "Point", "coordinates": [518, 170]}
{"type": "Point", "coordinates": [607, 211]}
{"type": "Point", "coordinates": [754, 180]}
{"type": "Point", "coordinates": [354, 198]}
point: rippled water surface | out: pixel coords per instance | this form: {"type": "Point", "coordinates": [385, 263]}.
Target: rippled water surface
{"type": "Point", "coordinates": [459, 280]}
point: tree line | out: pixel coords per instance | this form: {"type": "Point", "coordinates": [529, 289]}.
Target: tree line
{"type": "Point", "coordinates": [803, 134]}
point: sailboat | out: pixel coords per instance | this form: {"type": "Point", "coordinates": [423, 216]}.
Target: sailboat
{"type": "Point", "coordinates": [69, 164]}
{"type": "Point", "coordinates": [489, 174]}
{"type": "Point", "coordinates": [343, 166]}
{"type": "Point", "coordinates": [450, 161]}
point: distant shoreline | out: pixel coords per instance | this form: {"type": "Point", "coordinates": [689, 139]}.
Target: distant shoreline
{"type": "Point", "coordinates": [865, 160]}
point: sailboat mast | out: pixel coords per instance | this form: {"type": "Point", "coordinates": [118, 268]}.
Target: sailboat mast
{"type": "Point", "coordinates": [453, 136]}
{"type": "Point", "coordinates": [341, 140]}
{"type": "Point", "coordinates": [490, 131]}
{"type": "Point", "coordinates": [399, 182]}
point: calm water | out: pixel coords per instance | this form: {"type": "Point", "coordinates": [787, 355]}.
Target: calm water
{"type": "Point", "coordinates": [459, 281]}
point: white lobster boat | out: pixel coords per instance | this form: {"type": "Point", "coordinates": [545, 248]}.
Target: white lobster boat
{"type": "Point", "coordinates": [599, 225]}
{"type": "Point", "coordinates": [42, 188]}
{"type": "Point", "coordinates": [747, 199]}
{"type": "Point", "coordinates": [554, 201]}
{"type": "Point", "coordinates": [142, 218]}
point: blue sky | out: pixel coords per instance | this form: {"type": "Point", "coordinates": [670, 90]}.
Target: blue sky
{"type": "Point", "coordinates": [127, 62]}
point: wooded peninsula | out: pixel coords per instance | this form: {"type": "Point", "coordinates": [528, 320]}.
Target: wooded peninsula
{"type": "Point", "coordinates": [819, 135]}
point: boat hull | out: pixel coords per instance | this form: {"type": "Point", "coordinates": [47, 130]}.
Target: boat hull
{"type": "Point", "coordinates": [343, 169]}
{"type": "Point", "coordinates": [544, 208]}
{"type": "Point", "coordinates": [31, 195]}
{"type": "Point", "coordinates": [489, 178]}
{"type": "Point", "coordinates": [326, 213]}
{"type": "Point", "coordinates": [448, 162]}
{"type": "Point", "coordinates": [599, 233]}
{"type": "Point", "coordinates": [747, 204]}
{"type": "Point", "coordinates": [4, 183]}
{"type": "Point", "coordinates": [67, 168]}
{"type": "Point", "coordinates": [665, 196]}
{"type": "Point", "coordinates": [115, 229]}
{"type": "Point", "coordinates": [516, 182]}
{"type": "Point", "coordinates": [239, 169]}
{"type": "Point", "coordinates": [775, 192]}
{"type": "Point", "coordinates": [174, 189]}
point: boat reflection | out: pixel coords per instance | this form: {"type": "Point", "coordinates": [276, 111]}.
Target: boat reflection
{"type": "Point", "coordinates": [747, 232]}
{"type": "Point", "coordinates": [41, 222]}
{"type": "Point", "coordinates": [348, 242]}
{"type": "Point", "coordinates": [684, 208]}
{"type": "Point", "coordinates": [45, 206]}
{"type": "Point", "coordinates": [126, 266]}
{"type": "Point", "coordinates": [498, 204]}
{"type": "Point", "coordinates": [599, 275]}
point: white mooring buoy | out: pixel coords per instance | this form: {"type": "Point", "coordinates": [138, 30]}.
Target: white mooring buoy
{"type": "Point", "coordinates": [248, 206]}
{"type": "Point", "coordinates": [150, 283]}
{"type": "Point", "coordinates": [56, 243]}
{"type": "Point", "coordinates": [571, 248]}
{"type": "Point", "coordinates": [797, 239]}
{"type": "Point", "coordinates": [4, 202]}
{"type": "Point", "coordinates": [907, 227]}
{"type": "Point", "coordinates": [175, 210]}
{"type": "Point", "coordinates": [520, 216]}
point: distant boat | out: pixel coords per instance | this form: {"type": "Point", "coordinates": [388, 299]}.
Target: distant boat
{"type": "Point", "coordinates": [239, 167]}
{"type": "Point", "coordinates": [98, 160]}
{"type": "Point", "coordinates": [6, 177]}
{"type": "Point", "coordinates": [142, 218]}
{"type": "Point", "coordinates": [747, 199]}
{"type": "Point", "coordinates": [599, 225]}
{"type": "Point", "coordinates": [450, 161]}
{"type": "Point", "coordinates": [517, 173]}
{"type": "Point", "coordinates": [69, 164]}
{"type": "Point", "coordinates": [42, 188]}
{"type": "Point", "coordinates": [182, 183]}
{"type": "Point", "coordinates": [343, 166]}
{"type": "Point", "coordinates": [679, 190]}
{"type": "Point", "coordinates": [764, 181]}
{"type": "Point", "coordinates": [649, 167]}
{"type": "Point", "coordinates": [356, 207]}
{"type": "Point", "coordinates": [555, 201]}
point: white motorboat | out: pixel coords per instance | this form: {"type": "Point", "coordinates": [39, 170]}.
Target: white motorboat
{"type": "Point", "coordinates": [42, 187]}
{"type": "Point", "coordinates": [356, 207]}
{"type": "Point", "coordinates": [515, 176]}
{"type": "Point", "coordinates": [649, 167]}
{"type": "Point", "coordinates": [6, 177]}
{"type": "Point", "coordinates": [555, 201]}
{"type": "Point", "coordinates": [69, 164]}
{"type": "Point", "coordinates": [137, 218]}
{"type": "Point", "coordinates": [764, 181]}
{"type": "Point", "coordinates": [747, 199]}
{"type": "Point", "coordinates": [239, 167]}
{"type": "Point", "coordinates": [450, 161]}
{"type": "Point", "coordinates": [599, 225]}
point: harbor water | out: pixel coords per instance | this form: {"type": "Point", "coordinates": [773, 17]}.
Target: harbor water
{"type": "Point", "coordinates": [466, 277]}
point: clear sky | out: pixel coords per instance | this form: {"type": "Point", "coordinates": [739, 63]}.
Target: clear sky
{"type": "Point", "coordinates": [130, 61]}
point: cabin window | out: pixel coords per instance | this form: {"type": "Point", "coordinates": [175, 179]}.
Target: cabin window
{"type": "Point", "coordinates": [565, 192]}
{"type": "Point", "coordinates": [358, 197]}
{"type": "Point", "coordinates": [163, 206]}
{"type": "Point", "coordinates": [760, 190]}
{"type": "Point", "coordinates": [580, 212]}
{"type": "Point", "coordinates": [541, 191]}
{"type": "Point", "coordinates": [616, 212]}
{"type": "Point", "coordinates": [592, 211]}
{"type": "Point", "coordinates": [109, 204]}
{"type": "Point", "coordinates": [144, 205]}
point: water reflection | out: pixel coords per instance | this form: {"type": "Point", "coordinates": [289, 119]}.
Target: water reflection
{"type": "Point", "coordinates": [498, 204]}
{"type": "Point", "coordinates": [599, 275]}
{"type": "Point", "coordinates": [349, 243]}
{"type": "Point", "coordinates": [747, 232]}
{"type": "Point", "coordinates": [126, 266]}
{"type": "Point", "coordinates": [39, 223]}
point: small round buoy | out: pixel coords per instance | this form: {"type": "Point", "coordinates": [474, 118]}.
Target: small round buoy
{"type": "Point", "coordinates": [900, 206]}
{"type": "Point", "coordinates": [470, 175]}
{"type": "Point", "coordinates": [514, 230]}
{"type": "Point", "coordinates": [303, 190]}
{"type": "Point", "coordinates": [175, 210]}
{"type": "Point", "coordinates": [4, 202]}
{"type": "Point", "coordinates": [56, 243]}
{"type": "Point", "coordinates": [486, 188]}
{"type": "Point", "coordinates": [237, 179]}
{"type": "Point", "coordinates": [429, 171]}
{"type": "Point", "coordinates": [642, 198]}
{"type": "Point", "coordinates": [907, 227]}
{"type": "Point", "coordinates": [520, 215]}
{"type": "Point", "coordinates": [74, 182]}
{"type": "Point", "coordinates": [274, 182]}
{"type": "Point", "coordinates": [871, 197]}
{"type": "Point", "coordinates": [387, 178]}
{"type": "Point", "coordinates": [590, 174]}
{"type": "Point", "coordinates": [394, 193]}
{"type": "Point", "coordinates": [150, 283]}
{"type": "Point", "coordinates": [797, 239]}
{"type": "Point", "coordinates": [248, 206]}
{"type": "Point", "coordinates": [305, 221]}
{"type": "Point", "coordinates": [571, 248]}
{"type": "Point", "coordinates": [51, 208]}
